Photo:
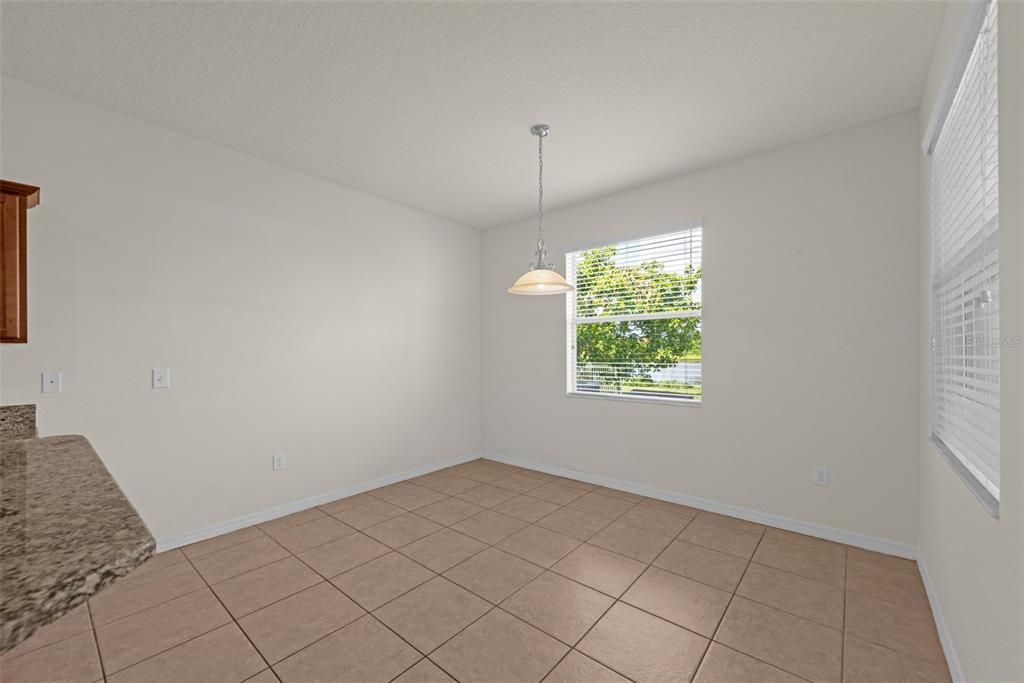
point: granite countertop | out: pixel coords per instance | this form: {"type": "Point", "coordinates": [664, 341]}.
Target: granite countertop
{"type": "Point", "coordinates": [66, 531]}
{"type": "Point", "coordinates": [18, 422]}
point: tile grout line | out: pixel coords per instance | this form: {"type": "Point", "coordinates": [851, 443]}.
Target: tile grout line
{"type": "Point", "coordinates": [634, 505]}
{"type": "Point", "coordinates": [774, 666]}
{"type": "Point", "coordinates": [842, 642]}
{"type": "Point", "coordinates": [594, 490]}
{"type": "Point", "coordinates": [439, 575]}
{"type": "Point", "coordinates": [93, 627]}
{"type": "Point", "coordinates": [208, 587]}
{"type": "Point", "coordinates": [732, 596]}
{"type": "Point", "coordinates": [779, 609]}
{"type": "Point", "coordinates": [581, 542]}
{"type": "Point", "coordinates": [329, 580]}
{"type": "Point", "coordinates": [900, 653]}
{"type": "Point", "coordinates": [901, 605]}
{"type": "Point", "coordinates": [615, 601]}
{"type": "Point", "coordinates": [148, 608]}
{"type": "Point", "coordinates": [493, 606]}
{"type": "Point", "coordinates": [366, 612]}
{"type": "Point", "coordinates": [230, 615]}
{"type": "Point", "coordinates": [95, 641]}
{"type": "Point", "coordinates": [206, 584]}
{"type": "Point", "coordinates": [735, 593]}
{"type": "Point", "coordinates": [211, 589]}
{"type": "Point", "coordinates": [258, 673]}
{"type": "Point", "coordinates": [4, 658]}
{"type": "Point", "coordinates": [227, 547]}
{"type": "Point", "coordinates": [375, 618]}
{"type": "Point", "coordinates": [618, 599]}
{"type": "Point", "coordinates": [369, 612]}
{"type": "Point", "coordinates": [712, 638]}
{"type": "Point", "coordinates": [168, 649]}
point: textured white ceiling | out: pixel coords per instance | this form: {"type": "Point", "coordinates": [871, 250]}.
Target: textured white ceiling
{"type": "Point", "coordinates": [429, 104]}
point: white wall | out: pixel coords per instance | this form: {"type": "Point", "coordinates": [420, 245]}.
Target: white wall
{"type": "Point", "coordinates": [296, 315]}
{"type": "Point", "coordinates": [810, 336]}
{"type": "Point", "coordinates": [974, 562]}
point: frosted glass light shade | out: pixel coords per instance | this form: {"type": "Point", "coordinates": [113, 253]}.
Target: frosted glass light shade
{"type": "Point", "coordinates": [540, 282]}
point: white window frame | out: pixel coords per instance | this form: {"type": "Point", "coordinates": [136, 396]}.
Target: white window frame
{"type": "Point", "coordinates": [965, 447]}
{"type": "Point", "coordinates": [572, 321]}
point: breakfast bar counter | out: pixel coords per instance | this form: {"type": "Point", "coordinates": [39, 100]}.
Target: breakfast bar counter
{"type": "Point", "coordinates": [66, 530]}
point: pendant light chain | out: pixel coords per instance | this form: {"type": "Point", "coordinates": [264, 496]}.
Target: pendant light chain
{"type": "Point", "coordinates": [542, 253]}
{"type": "Point", "coordinates": [540, 188]}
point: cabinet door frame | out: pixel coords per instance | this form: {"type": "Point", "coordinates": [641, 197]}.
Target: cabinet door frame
{"type": "Point", "coordinates": [17, 199]}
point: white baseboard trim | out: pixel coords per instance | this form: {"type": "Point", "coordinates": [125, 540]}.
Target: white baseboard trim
{"type": "Point", "coordinates": [945, 637]}
{"type": "Point", "coordinates": [237, 523]}
{"type": "Point", "coordinates": [865, 541]}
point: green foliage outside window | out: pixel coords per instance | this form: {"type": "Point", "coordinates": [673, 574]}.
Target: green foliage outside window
{"type": "Point", "coordinates": [625, 354]}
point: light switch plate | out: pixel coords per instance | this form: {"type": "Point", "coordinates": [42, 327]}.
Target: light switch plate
{"type": "Point", "coordinates": [52, 383]}
{"type": "Point", "coordinates": [161, 378]}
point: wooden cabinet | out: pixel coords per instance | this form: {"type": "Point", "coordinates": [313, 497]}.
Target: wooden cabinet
{"type": "Point", "coordinates": [15, 201]}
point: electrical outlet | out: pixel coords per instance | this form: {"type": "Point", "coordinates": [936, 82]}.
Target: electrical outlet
{"type": "Point", "coordinates": [820, 476]}
{"type": "Point", "coordinates": [510, 428]}
{"type": "Point", "coordinates": [279, 462]}
{"type": "Point", "coordinates": [52, 383]}
{"type": "Point", "coordinates": [161, 378]}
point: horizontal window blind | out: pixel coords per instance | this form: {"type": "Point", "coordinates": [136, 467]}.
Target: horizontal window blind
{"type": "Point", "coordinates": [634, 319]}
{"type": "Point", "coordinates": [965, 270]}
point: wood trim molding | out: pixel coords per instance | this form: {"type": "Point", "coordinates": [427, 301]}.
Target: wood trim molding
{"type": "Point", "coordinates": [29, 192]}
{"type": "Point", "coordinates": [15, 201]}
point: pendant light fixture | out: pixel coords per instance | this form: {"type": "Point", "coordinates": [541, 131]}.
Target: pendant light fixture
{"type": "Point", "coordinates": [540, 279]}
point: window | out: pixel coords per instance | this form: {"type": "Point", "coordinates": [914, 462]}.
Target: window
{"type": "Point", "coordinates": [965, 272]}
{"type": "Point", "coordinates": [634, 320]}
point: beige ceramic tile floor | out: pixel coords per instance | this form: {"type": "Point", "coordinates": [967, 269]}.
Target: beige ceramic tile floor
{"type": "Point", "coordinates": [487, 572]}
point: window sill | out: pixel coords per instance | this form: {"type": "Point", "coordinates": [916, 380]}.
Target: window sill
{"type": "Point", "coordinates": [690, 403]}
{"type": "Point", "coordinates": [984, 496]}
